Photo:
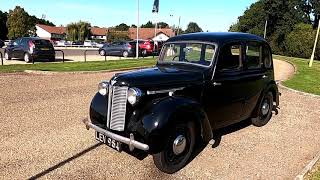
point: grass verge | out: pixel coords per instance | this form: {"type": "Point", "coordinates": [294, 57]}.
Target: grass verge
{"type": "Point", "coordinates": [306, 79]}
{"type": "Point", "coordinates": [79, 66]}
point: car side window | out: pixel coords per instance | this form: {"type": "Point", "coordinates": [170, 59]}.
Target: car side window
{"type": "Point", "coordinates": [254, 55]}
{"type": "Point", "coordinates": [230, 58]}
{"type": "Point", "coordinates": [17, 42]}
{"type": "Point", "coordinates": [267, 58]}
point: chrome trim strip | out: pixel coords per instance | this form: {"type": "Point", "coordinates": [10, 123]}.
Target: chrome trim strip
{"type": "Point", "coordinates": [164, 91]}
{"type": "Point", "coordinates": [129, 141]}
{"type": "Point", "coordinates": [109, 105]}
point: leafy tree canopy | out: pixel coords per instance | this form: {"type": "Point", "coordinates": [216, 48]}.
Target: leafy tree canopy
{"type": "Point", "coordinates": [193, 27]}
{"type": "Point", "coordinates": [3, 26]}
{"type": "Point", "coordinates": [122, 27]}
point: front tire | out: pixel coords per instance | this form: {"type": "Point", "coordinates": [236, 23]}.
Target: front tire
{"type": "Point", "coordinates": [102, 53]}
{"type": "Point", "coordinates": [6, 56]}
{"type": "Point", "coordinates": [264, 111]}
{"type": "Point", "coordinates": [179, 149]}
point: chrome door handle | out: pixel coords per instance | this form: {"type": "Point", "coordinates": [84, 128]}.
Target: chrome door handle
{"type": "Point", "coordinates": [264, 76]}
{"type": "Point", "coordinates": [217, 84]}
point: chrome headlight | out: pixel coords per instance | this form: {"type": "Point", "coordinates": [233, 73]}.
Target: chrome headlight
{"type": "Point", "coordinates": [103, 88]}
{"type": "Point", "coordinates": [134, 95]}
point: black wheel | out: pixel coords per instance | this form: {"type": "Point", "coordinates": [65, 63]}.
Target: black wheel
{"type": "Point", "coordinates": [6, 56]}
{"type": "Point", "coordinates": [264, 111]}
{"type": "Point", "coordinates": [53, 59]}
{"type": "Point", "coordinates": [125, 54]}
{"type": "Point", "coordinates": [102, 52]}
{"type": "Point", "coordinates": [177, 152]}
{"type": "Point", "coordinates": [27, 58]}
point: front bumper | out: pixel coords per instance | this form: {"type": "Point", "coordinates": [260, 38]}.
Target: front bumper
{"type": "Point", "coordinates": [129, 141]}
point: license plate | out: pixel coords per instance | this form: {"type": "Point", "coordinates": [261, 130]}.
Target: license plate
{"type": "Point", "coordinates": [44, 49]}
{"type": "Point", "coordinates": [108, 141]}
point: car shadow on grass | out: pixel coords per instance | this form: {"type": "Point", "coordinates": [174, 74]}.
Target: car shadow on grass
{"type": "Point", "coordinates": [62, 163]}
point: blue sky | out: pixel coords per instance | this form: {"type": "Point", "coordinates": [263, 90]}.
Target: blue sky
{"type": "Point", "coordinates": [211, 15]}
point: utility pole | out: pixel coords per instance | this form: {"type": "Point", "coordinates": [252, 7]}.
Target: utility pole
{"type": "Point", "coordinates": [138, 24]}
{"type": "Point", "coordinates": [265, 29]}
{"type": "Point", "coordinates": [315, 46]}
{"type": "Point", "coordinates": [179, 26]}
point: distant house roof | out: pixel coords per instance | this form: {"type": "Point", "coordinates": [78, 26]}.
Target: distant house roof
{"type": "Point", "coordinates": [53, 29]}
{"type": "Point", "coordinates": [148, 33]}
{"type": "Point", "coordinates": [95, 31]}
{"type": "Point", "coordinates": [98, 31]}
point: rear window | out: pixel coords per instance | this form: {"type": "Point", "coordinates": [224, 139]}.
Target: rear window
{"type": "Point", "coordinates": [41, 42]}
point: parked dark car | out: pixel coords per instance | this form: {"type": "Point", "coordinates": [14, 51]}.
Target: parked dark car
{"type": "Point", "coordinates": [124, 49]}
{"type": "Point", "coordinates": [1, 43]}
{"type": "Point", "coordinates": [202, 82]}
{"type": "Point", "coordinates": [30, 49]}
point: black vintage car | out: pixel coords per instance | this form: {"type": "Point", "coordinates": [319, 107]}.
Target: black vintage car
{"type": "Point", "coordinates": [30, 49]}
{"type": "Point", "coordinates": [202, 82]}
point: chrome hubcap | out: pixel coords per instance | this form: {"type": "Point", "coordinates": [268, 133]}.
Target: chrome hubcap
{"type": "Point", "coordinates": [102, 53]}
{"type": "Point", "coordinates": [26, 58]}
{"type": "Point", "coordinates": [265, 108]}
{"type": "Point", "coordinates": [179, 145]}
{"type": "Point", "coordinates": [6, 56]}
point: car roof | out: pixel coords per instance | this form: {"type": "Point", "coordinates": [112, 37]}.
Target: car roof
{"type": "Point", "coordinates": [34, 38]}
{"type": "Point", "coordinates": [217, 37]}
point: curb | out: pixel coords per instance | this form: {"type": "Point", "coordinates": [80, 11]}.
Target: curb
{"type": "Point", "coordinates": [81, 72]}
{"type": "Point", "coordinates": [308, 168]}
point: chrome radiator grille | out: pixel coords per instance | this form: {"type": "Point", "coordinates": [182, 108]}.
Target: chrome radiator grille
{"type": "Point", "coordinates": [117, 103]}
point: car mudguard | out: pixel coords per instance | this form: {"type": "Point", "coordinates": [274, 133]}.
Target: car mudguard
{"type": "Point", "coordinates": [272, 87]}
{"type": "Point", "coordinates": [153, 122]}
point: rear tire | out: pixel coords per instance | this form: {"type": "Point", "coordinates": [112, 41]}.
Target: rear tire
{"type": "Point", "coordinates": [52, 59]}
{"type": "Point", "coordinates": [27, 58]}
{"type": "Point", "coordinates": [6, 56]}
{"type": "Point", "coordinates": [264, 111]}
{"type": "Point", "coordinates": [173, 158]}
{"type": "Point", "coordinates": [125, 54]}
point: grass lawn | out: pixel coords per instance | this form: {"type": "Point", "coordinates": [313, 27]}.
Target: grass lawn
{"type": "Point", "coordinates": [315, 174]}
{"type": "Point", "coordinates": [80, 66]}
{"type": "Point", "coordinates": [306, 79]}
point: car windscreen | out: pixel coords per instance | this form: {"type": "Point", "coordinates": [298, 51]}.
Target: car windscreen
{"type": "Point", "coordinates": [191, 53]}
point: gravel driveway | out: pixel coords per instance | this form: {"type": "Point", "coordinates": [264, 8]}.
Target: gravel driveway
{"type": "Point", "coordinates": [42, 136]}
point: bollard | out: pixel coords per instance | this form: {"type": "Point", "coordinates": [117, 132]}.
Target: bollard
{"type": "Point", "coordinates": [1, 58]}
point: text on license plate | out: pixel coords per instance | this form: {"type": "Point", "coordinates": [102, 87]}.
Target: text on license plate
{"type": "Point", "coordinates": [108, 141]}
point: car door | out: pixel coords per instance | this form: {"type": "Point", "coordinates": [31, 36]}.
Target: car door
{"type": "Point", "coordinates": [16, 49]}
{"type": "Point", "coordinates": [256, 73]}
{"type": "Point", "coordinates": [224, 94]}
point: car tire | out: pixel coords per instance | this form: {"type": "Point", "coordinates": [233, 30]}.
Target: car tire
{"type": "Point", "coordinates": [53, 59]}
{"type": "Point", "coordinates": [6, 56]}
{"type": "Point", "coordinates": [264, 111]}
{"type": "Point", "coordinates": [125, 54]}
{"type": "Point", "coordinates": [173, 158]}
{"type": "Point", "coordinates": [102, 53]}
{"type": "Point", "coordinates": [144, 53]}
{"type": "Point", "coordinates": [27, 58]}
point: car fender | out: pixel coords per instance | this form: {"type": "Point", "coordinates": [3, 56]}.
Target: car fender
{"type": "Point", "coordinates": [157, 118]}
{"type": "Point", "coordinates": [272, 86]}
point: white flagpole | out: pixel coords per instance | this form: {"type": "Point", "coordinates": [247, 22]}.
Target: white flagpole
{"type": "Point", "coordinates": [155, 29]}
{"type": "Point", "coordinates": [138, 17]}
{"type": "Point", "coordinates": [315, 46]}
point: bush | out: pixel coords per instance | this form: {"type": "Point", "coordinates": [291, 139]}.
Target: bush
{"type": "Point", "coordinates": [300, 42]}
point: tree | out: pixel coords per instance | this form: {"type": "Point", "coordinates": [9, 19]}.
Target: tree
{"type": "Point", "coordinates": [163, 25]}
{"type": "Point", "coordinates": [3, 26]}
{"type": "Point", "coordinates": [84, 30]}
{"type": "Point", "coordinates": [17, 23]}
{"type": "Point", "coordinates": [149, 24]}
{"type": "Point", "coordinates": [282, 16]}
{"type": "Point", "coordinates": [299, 42]}
{"type": "Point", "coordinates": [193, 27]}
{"type": "Point", "coordinates": [114, 35]}
{"type": "Point", "coordinates": [122, 27]}
{"type": "Point", "coordinates": [133, 26]}
{"type": "Point", "coordinates": [72, 31]}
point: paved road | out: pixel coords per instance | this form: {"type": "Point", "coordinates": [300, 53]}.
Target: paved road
{"type": "Point", "coordinates": [42, 136]}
